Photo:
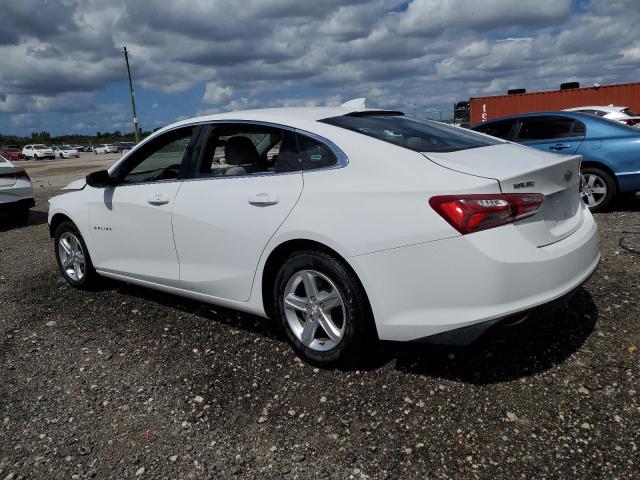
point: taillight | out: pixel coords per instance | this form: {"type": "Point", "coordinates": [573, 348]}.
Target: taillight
{"type": "Point", "coordinates": [472, 213]}
{"type": "Point", "coordinates": [22, 174]}
{"type": "Point", "coordinates": [632, 121]}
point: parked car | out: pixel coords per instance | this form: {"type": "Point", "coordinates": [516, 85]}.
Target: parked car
{"type": "Point", "coordinates": [11, 153]}
{"type": "Point", "coordinates": [37, 152]}
{"type": "Point", "coordinates": [401, 230]}
{"type": "Point", "coordinates": [610, 112]}
{"type": "Point", "coordinates": [65, 151]}
{"type": "Point", "coordinates": [88, 148]}
{"type": "Point", "coordinates": [610, 150]}
{"type": "Point", "coordinates": [105, 148]}
{"type": "Point", "coordinates": [16, 192]}
{"type": "Point", "coordinates": [124, 146]}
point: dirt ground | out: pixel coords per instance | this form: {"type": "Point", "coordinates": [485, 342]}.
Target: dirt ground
{"type": "Point", "coordinates": [124, 382]}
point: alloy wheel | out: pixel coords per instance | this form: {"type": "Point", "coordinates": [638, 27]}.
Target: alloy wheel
{"type": "Point", "coordinates": [315, 310]}
{"type": "Point", "coordinates": [593, 190]}
{"type": "Point", "coordinates": [71, 256]}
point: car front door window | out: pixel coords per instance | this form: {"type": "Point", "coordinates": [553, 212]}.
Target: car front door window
{"type": "Point", "coordinates": [158, 160]}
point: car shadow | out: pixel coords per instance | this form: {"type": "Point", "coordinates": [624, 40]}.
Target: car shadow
{"type": "Point", "coordinates": [227, 316]}
{"type": "Point", "coordinates": [35, 218]}
{"type": "Point", "coordinates": [505, 354]}
{"type": "Point", "coordinates": [627, 203]}
{"type": "Point", "coordinates": [500, 355]}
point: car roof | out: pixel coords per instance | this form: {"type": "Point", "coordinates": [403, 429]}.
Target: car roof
{"type": "Point", "coordinates": [561, 113]}
{"type": "Point", "coordinates": [604, 108]}
{"type": "Point", "coordinates": [297, 117]}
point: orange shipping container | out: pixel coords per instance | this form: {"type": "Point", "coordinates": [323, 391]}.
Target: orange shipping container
{"type": "Point", "coordinates": [488, 108]}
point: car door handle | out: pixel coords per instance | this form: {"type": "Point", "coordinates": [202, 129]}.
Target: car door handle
{"type": "Point", "coordinates": [263, 200]}
{"type": "Point", "coordinates": [158, 200]}
{"type": "Point", "coordinates": [560, 146]}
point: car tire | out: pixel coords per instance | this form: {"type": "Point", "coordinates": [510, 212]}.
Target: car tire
{"type": "Point", "coordinates": [599, 189]}
{"type": "Point", "coordinates": [35, 157]}
{"type": "Point", "coordinates": [349, 318]}
{"type": "Point", "coordinates": [61, 156]}
{"type": "Point", "coordinates": [76, 269]}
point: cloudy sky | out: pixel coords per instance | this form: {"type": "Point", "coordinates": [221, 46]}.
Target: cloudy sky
{"type": "Point", "coordinates": [62, 69]}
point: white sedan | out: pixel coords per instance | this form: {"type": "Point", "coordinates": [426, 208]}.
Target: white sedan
{"type": "Point", "coordinates": [65, 151]}
{"type": "Point", "coordinates": [342, 225]}
{"type": "Point", "coordinates": [16, 192]}
{"type": "Point", "coordinates": [105, 148]}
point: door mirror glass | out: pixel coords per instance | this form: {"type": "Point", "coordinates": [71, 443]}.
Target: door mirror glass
{"type": "Point", "coordinates": [100, 179]}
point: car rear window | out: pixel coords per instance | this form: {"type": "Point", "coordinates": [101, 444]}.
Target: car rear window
{"type": "Point", "coordinates": [416, 135]}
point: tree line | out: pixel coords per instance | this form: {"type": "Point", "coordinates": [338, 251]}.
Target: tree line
{"type": "Point", "coordinates": [46, 138]}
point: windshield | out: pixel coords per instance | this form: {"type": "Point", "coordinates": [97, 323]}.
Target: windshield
{"type": "Point", "coordinates": [40, 147]}
{"type": "Point", "coordinates": [416, 135]}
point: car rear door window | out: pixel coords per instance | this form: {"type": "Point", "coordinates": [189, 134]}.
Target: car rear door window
{"type": "Point", "coordinates": [501, 129]}
{"type": "Point", "coordinates": [549, 128]}
{"type": "Point", "coordinates": [247, 149]}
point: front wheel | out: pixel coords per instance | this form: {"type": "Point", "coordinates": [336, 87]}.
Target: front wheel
{"type": "Point", "coordinates": [73, 257]}
{"type": "Point", "coordinates": [322, 309]}
{"type": "Point", "coordinates": [598, 189]}
{"type": "Point", "coordinates": [61, 156]}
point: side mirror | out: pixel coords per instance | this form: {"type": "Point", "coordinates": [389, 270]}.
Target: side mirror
{"type": "Point", "coordinates": [100, 179]}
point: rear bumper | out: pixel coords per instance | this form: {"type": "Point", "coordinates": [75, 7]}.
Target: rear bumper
{"type": "Point", "coordinates": [431, 288]}
{"type": "Point", "coordinates": [467, 335]}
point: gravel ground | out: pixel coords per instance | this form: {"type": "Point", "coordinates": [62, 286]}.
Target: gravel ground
{"type": "Point", "coordinates": [128, 383]}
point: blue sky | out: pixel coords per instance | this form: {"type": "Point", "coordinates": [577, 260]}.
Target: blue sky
{"type": "Point", "coordinates": [63, 70]}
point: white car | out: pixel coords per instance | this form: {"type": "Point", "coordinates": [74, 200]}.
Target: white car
{"type": "Point", "coordinates": [16, 192]}
{"type": "Point", "coordinates": [37, 152]}
{"type": "Point", "coordinates": [366, 224]}
{"type": "Point", "coordinates": [65, 151]}
{"type": "Point", "coordinates": [611, 112]}
{"type": "Point", "coordinates": [105, 148]}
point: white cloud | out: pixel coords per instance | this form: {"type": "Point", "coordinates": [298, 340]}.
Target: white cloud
{"type": "Point", "coordinates": [216, 94]}
{"type": "Point", "coordinates": [285, 52]}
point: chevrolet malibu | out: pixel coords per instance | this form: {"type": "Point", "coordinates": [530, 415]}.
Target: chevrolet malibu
{"type": "Point", "coordinates": [342, 225]}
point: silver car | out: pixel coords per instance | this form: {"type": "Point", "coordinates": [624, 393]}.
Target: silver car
{"type": "Point", "coordinates": [16, 192]}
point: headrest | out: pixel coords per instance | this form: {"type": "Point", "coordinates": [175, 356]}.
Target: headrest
{"type": "Point", "coordinates": [240, 151]}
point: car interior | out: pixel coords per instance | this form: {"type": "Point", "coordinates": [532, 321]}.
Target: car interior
{"type": "Point", "coordinates": [248, 150]}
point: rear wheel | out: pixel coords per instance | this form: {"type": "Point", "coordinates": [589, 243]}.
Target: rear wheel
{"type": "Point", "coordinates": [598, 189]}
{"type": "Point", "coordinates": [73, 257]}
{"type": "Point", "coordinates": [322, 309]}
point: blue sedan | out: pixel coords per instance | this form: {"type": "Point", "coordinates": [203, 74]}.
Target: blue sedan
{"type": "Point", "coordinates": [610, 150]}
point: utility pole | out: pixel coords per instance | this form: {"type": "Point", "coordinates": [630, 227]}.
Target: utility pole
{"type": "Point", "coordinates": [136, 131]}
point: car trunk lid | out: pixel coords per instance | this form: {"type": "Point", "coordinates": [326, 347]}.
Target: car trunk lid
{"type": "Point", "coordinates": [524, 170]}
{"type": "Point", "coordinates": [8, 174]}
